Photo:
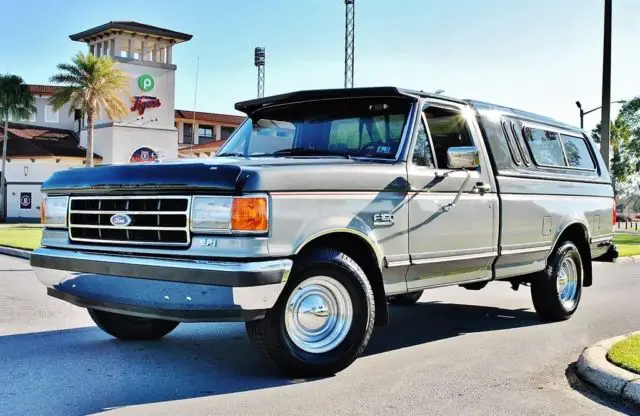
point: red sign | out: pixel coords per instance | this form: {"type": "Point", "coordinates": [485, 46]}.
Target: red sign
{"type": "Point", "coordinates": [143, 154]}
{"type": "Point", "coordinates": [142, 102]}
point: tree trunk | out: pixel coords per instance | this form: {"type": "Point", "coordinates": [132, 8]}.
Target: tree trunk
{"type": "Point", "coordinates": [89, 162]}
{"type": "Point", "coordinates": [3, 184]}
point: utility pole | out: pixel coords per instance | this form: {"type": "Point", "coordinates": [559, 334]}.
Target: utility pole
{"type": "Point", "coordinates": [349, 41]}
{"type": "Point", "coordinates": [606, 83]}
{"type": "Point", "coordinates": [259, 59]}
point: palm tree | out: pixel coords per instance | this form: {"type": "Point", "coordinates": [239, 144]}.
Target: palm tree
{"type": "Point", "coordinates": [17, 103]}
{"type": "Point", "coordinates": [92, 85]}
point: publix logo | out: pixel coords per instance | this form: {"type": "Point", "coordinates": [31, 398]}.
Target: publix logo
{"type": "Point", "coordinates": [145, 82]}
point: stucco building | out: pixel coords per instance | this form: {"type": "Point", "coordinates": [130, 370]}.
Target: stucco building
{"type": "Point", "coordinates": [154, 128]}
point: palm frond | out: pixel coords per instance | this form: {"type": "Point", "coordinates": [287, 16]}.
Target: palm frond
{"type": "Point", "coordinates": [92, 85]}
{"type": "Point", "coordinates": [16, 99]}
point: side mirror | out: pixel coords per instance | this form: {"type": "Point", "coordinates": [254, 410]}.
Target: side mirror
{"type": "Point", "coordinates": [463, 157]}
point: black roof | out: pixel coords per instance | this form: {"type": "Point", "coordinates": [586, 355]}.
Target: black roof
{"type": "Point", "coordinates": [131, 27]}
{"type": "Point", "coordinates": [250, 106]}
{"type": "Point", "coordinates": [28, 141]}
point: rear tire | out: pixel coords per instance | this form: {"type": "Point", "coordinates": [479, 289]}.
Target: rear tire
{"type": "Point", "coordinates": [323, 319]}
{"type": "Point", "coordinates": [405, 299]}
{"type": "Point", "coordinates": [557, 289]}
{"type": "Point", "coordinates": [131, 328]}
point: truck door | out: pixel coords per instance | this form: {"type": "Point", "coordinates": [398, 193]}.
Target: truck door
{"type": "Point", "coordinates": [457, 243]}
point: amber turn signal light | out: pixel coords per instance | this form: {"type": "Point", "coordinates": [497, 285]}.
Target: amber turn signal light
{"type": "Point", "coordinates": [43, 208]}
{"type": "Point", "coordinates": [250, 215]}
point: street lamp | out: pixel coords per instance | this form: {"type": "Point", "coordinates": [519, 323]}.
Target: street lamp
{"type": "Point", "coordinates": [583, 113]}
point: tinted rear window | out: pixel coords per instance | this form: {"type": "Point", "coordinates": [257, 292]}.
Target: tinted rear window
{"type": "Point", "coordinates": [577, 151]}
{"type": "Point", "coordinates": [545, 146]}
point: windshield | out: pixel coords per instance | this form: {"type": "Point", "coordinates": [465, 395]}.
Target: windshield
{"type": "Point", "coordinates": [371, 127]}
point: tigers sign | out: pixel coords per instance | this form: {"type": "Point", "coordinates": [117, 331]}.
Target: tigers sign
{"type": "Point", "coordinates": [142, 102]}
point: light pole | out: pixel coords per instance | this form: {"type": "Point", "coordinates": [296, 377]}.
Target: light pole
{"type": "Point", "coordinates": [259, 60]}
{"type": "Point", "coordinates": [349, 41]}
{"type": "Point", "coordinates": [606, 83]}
{"type": "Point", "coordinates": [584, 113]}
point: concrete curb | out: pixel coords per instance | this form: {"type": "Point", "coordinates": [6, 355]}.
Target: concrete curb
{"type": "Point", "coordinates": [15, 252]}
{"type": "Point", "coordinates": [630, 259]}
{"type": "Point", "coordinates": [594, 367]}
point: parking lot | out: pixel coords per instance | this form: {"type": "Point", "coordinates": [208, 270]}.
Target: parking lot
{"type": "Point", "coordinates": [456, 352]}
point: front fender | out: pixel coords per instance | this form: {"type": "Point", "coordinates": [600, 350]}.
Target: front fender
{"type": "Point", "coordinates": [356, 226]}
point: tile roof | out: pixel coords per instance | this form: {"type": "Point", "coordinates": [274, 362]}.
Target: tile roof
{"type": "Point", "coordinates": [33, 141]}
{"type": "Point", "coordinates": [42, 89]}
{"type": "Point", "coordinates": [131, 26]}
{"type": "Point", "coordinates": [215, 118]}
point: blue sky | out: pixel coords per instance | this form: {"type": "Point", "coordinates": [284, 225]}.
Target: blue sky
{"type": "Point", "coordinates": [539, 55]}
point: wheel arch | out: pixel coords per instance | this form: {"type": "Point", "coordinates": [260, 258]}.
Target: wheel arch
{"type": "Point", "coordinates": [364, 251]}
{"type": "Point", "coordinates": [577, 231]}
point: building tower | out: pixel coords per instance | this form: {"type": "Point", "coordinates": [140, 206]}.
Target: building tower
{"type": "Point", "coordinates": [145, 53]}
{"type": "Point", "coordinates": [349, 41]}
{"type": "Point", "coordinates": [259, 62]}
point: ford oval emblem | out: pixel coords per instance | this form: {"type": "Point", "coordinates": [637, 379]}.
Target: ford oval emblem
{"type": "Point", "coordinates": [120, 220]}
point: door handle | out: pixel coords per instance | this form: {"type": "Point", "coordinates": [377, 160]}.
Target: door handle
{"type": "Point", "coordinates": [481, 188]}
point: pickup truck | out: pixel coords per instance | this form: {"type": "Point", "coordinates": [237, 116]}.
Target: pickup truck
{"type": "Point", "coordinates": [323, 208]}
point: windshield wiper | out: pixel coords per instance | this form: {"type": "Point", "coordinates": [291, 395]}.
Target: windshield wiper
{"type": "Point", "coordinates": [231, 154]}
{"type": "Point", "coordinates": [303, 151]}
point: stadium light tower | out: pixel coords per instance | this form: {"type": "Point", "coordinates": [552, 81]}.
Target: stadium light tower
{"type": "Point", "coordinates": [349, 41]}
{"type": "Point", "coordinates": [259, 62]}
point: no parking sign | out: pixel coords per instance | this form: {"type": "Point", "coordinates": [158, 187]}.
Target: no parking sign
{"type": "Point", "coordinates": [25, 200]}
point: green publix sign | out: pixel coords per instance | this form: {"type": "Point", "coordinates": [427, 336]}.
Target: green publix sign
{"type": "Point", "coordinates": [146, 82]}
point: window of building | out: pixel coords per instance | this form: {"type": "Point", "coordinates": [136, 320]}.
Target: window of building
{"type": "Point", "coordinates": [577, 151]}
{"type": "Point", "coordinates": [422, 151]}
{"type": "Point", "coordinates": [137, 49]}
{"type": "Point", "coordinates": [545, 147]}
{"type": "Point", "coordinates": [225, 132]}
{"type": "Point", "coordinates": [448, 128]}
{"type": "Point", "coordinates": [50, 115]}
{"type": "Point", "coordinates": [205, 134]}
{"type": "Point", "coordinates": [187, 133]}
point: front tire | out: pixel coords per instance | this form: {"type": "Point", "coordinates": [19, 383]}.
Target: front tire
{"type": "Point", "coordinates": [405, 299]}
{"type": "Point", "coordinates": [323, 319]}
{"type": "Point", "coordinates": [556, 291]}
{"type": "Point", "coordinates": [131, 328]}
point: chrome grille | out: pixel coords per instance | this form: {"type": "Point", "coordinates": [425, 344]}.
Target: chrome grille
{"type": "Point", "coordinates": [154, 220]}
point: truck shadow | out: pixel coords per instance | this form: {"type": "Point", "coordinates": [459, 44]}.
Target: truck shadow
{"type": "Point", "coordinates": [431, 321]}
{"type": "Point", "coordinates": [82, 371]}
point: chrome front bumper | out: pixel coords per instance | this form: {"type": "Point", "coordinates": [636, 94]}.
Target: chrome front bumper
{"type": "Point", "coordinates": [176, 289]}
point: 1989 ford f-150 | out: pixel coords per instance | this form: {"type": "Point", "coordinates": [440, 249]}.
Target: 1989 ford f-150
{"type": "Point", "coordinates": [321, 209]}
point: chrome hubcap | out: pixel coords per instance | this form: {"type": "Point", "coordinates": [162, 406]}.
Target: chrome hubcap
{"type": "Point", "coordinates": [567, 283]}
{"type": "Point", "coordinates": [319, 314]}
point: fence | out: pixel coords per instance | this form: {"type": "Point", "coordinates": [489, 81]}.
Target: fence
{"type": "Point", "coordinates": [627, 225]}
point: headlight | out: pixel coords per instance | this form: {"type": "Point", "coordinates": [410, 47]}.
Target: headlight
{"type": "Point", "coordinates": [53, 211]}
{"type": "Point", "coordinates": [221, 214]}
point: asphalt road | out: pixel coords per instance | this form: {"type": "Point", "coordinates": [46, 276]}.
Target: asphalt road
{"type": "Point", "coordinates": [456, 352]}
